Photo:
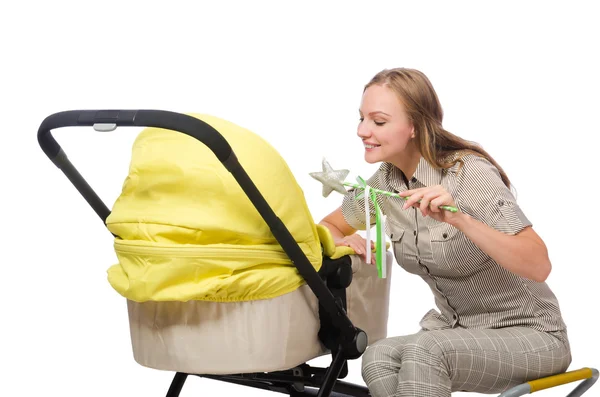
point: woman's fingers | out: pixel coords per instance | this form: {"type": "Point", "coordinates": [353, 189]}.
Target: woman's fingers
{"type": "Point", "coordinates": [358, 248]}
{"type": "Point", "coordinates": [363, 244]}
{"type": "Point", "coordinates": [430, 198]}
{"type": "Point", "coordinates": [424, 204]}
{"type": "Point", "coordinates": [427, 199]}
{"type": "Point", "coordinates": [358, 244]}
{"type": "Point", "coordinates": [435, 204]}
{"type": "Point", "coordinates": [415, 196]}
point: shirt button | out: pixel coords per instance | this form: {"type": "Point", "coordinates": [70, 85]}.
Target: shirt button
{"type": "Point", "coordinates": [500, 203]}
{"type": "Point", "coordinates": [445, 235]}
{"type": "Point", "coordinates": [415, 232]}
{"type": "Point", "coordinates": [413, 180]}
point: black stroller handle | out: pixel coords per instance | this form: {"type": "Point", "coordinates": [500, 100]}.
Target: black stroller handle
{"type": "Point", "coordinates": [133, 118]}
{"type": "Point", "coordinates": [354, 340]}
{"type": "Point", "coordinates": [110, 119]}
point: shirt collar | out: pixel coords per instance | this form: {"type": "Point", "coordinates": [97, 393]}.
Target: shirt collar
{"type": "Point", "coordinates": [425, 174]}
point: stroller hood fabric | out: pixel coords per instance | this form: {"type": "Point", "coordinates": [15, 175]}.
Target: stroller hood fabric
{"type": "Point", "coordinates": [185, 229]}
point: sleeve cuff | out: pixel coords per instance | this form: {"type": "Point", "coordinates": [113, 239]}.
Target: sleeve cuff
{"type": "Point", "coordinates": [511, 218]}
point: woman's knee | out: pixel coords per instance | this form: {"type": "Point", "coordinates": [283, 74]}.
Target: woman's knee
{"type": "Point", "coordinates": [381, 356]}
{"type": "Point", "coordinates": [391, 352]}
{"type": "Point", "coordinates": [427, 342]}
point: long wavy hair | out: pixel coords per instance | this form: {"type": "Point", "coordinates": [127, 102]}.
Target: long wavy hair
{"type": "Point", "coordinates": [440, 148]}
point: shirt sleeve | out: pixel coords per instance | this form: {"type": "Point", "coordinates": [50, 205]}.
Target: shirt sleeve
{"type": "Point", "coordinates": [482, 194]}
{"type": "Point", "coordinates": [353, 209]}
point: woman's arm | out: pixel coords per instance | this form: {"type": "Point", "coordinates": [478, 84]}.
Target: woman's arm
{"type": "Point", "coordinates": [524, 253]}
{"type": "Point", "coordinates": [338, 226]}
{"type": "Point", "coordinates": [343, 233]}
{"type": "Point", "coordinates": [491, 219]}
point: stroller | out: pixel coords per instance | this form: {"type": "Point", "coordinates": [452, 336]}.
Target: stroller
{"type": "Point", "coordinates": [269, 288]}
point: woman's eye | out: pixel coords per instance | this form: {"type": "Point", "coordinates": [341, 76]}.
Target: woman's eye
{"type": "Point", "coordinates": [379, 123]}
{"type": "Point", "coordinates": [362, 119]}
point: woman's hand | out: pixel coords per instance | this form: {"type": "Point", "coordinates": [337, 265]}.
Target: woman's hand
{"type": "Point", "coordinates": [428, 199]}
{"type": "Point", "coordinates": [358, 244]}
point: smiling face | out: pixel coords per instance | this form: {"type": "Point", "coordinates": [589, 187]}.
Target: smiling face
{"type": "Point", "coordinates": [385, 128]}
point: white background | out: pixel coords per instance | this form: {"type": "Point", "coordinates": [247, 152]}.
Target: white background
{"type": "Point", "coordinates": [520, 78]}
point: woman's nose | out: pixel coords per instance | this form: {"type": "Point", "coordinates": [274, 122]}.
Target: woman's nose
{"type": "Point", "coordinates": [363, 131]}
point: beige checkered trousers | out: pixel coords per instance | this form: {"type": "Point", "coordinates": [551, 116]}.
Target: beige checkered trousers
{"type": "Point", "coordinates": [438, 362]}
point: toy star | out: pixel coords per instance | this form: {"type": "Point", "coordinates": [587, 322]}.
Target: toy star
{"type": "Point", "coordinates": [331, 179]}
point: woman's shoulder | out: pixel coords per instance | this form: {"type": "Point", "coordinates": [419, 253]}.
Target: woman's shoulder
{"type": "Point", "coordinates": [469, 164]}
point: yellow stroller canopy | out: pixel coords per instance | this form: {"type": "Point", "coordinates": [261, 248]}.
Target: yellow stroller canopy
{"type": "Point", "coordinates": [187, 231]}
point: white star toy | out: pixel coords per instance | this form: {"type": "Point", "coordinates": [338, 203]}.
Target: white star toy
{"type": "Point", "coordinates": [331, 179]}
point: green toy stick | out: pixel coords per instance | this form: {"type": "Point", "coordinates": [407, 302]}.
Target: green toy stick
{"type": "Point", "coordinates": [390, 194]}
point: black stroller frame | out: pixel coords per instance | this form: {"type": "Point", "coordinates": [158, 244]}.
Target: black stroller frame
{"type": "Point", "coordinates": [337, 333]}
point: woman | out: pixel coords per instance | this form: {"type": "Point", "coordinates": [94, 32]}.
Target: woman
{"type": "Point", "coordinates": [498, 323]}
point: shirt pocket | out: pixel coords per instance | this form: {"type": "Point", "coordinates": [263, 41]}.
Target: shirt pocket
{"type": "Point", "coordinates": [443, 232]}
{"type": "Point", "coordinates": [453, 253]}
{"type": "Point", "coordinates": [396, 233]}
{"type": "Point", "coordinates": [444, 243]}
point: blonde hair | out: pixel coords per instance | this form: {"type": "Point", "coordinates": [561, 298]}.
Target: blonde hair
{"type": "Point", "coordinates": [440, 148]}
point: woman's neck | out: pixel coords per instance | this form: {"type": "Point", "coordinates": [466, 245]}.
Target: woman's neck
{"type": "Point", "coordinates": [407, 162]}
